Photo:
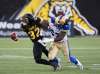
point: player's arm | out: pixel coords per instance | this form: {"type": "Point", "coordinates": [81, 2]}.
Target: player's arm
{"type": "Point", "coordinates": [60, 36]}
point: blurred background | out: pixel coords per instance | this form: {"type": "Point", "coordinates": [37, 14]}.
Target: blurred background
{"type": "Point", "coordinates": [9, 10]}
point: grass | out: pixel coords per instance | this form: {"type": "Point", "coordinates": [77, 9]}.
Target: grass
{"type": "Point", "coordinates": [17, 58]}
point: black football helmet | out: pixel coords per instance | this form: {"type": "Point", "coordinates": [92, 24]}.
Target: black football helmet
{"type": "Point", "coordinates": [28, 19]}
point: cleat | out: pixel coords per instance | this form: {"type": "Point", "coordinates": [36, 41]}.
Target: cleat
{"type": "Point", "coordinates": [79, 64]}
{"type": "Point", "coordinates": [54, 63]}
{"type": "Point", "coordinates": [76, 62]}
{"type": "Point", "coordinates": [57, 64]}
{"type": "Point", "coordinates": [55, 67]}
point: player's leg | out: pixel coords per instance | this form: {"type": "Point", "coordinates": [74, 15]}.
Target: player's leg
{"type": "Point", "coordinates": [57, 44]}
{"type": "Point", "coordinates": [53, 51]}
{"type": "Point", "coordinates": [55, 62]}
{"type": "Point", "coordinates": [46, 52]}
{"type": "Point", "coordinates": [72, 58]}
{"type": "Point", "coordinates": [37, 51]}
{"type": "Point", "coordinates": [65, 49]}
{"type": "Point", "coordinates": [67, 53]}
{"type": "Point", "coordinates": [52, 55]}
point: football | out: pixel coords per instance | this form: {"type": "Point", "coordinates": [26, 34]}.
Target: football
{"type": "Point", "coordinates": [14, 36]}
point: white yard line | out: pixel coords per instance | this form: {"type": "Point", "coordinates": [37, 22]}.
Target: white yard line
{"type": "Point", "coordinates": [31, 48]}
{"type": "Point", "coordinates": [14, 56]}
{"type": "Point", "coordinates": [91, 66]}
{"type": "Point", "coordinates": [16, 48]}
{"type": "Point", "coordinates": [86, 67]}
{"type": "Point", "coordinates": [96, 64]}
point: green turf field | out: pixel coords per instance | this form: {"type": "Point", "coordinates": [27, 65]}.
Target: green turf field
{"type": "Point", "coordinates": [16, 57]}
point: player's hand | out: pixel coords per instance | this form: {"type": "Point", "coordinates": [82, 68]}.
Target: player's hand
{"type": "Point", "coordinates": [14, 36]}
{"type": "Point", "coordinates": [62, 21]}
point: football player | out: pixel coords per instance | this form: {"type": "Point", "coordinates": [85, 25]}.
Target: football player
{"type": "Point", "coordinates": [60, 18]}
{"type": "Point", "coordinates": [32, 26]}
{"type": "Point", "coordinates": [59, 12]}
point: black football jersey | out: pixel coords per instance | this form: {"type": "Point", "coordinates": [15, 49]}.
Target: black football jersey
{"type": "Point", "coordinates": [33, 31]}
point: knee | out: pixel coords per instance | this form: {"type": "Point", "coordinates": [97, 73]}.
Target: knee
{"type": "Point", "coordinates": [50, 56]}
